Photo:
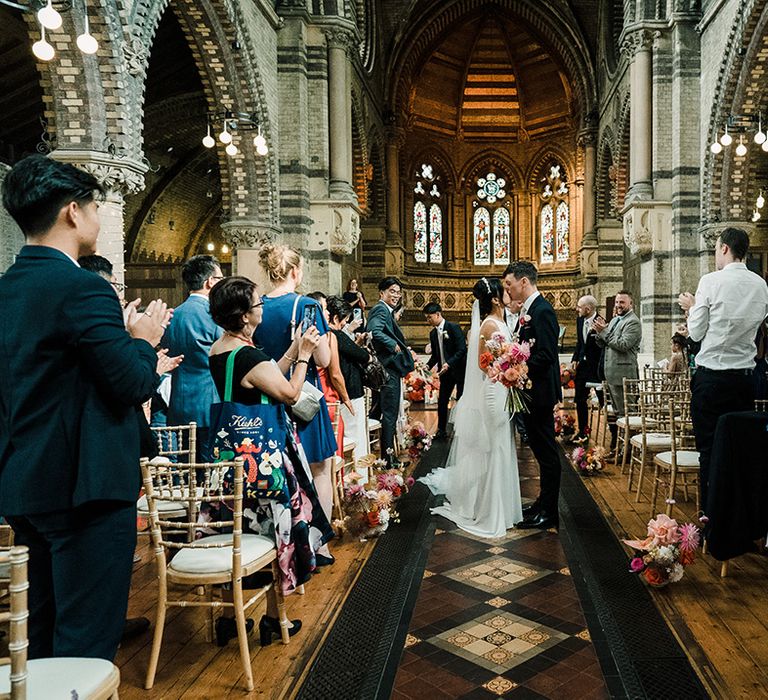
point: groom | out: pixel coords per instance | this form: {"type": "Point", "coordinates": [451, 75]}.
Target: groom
{"type": "Point", "coordinates": [538, 323]}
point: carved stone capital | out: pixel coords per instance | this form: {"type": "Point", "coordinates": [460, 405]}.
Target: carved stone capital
{"type": "Point", "coordinates": [118, 175]}
{"type": "Point", "coordinates": [647, 226]}
{"type": "Point", "coordinates": [244, 233]}
{"type": "Point", "coordinates": [340, 38]}
{"type": "Point", "coordinates": [637, 234]}
{"type": "Point", "coordinates": [335, 226]}
{"type": "Point", "coordinates": [587, 138]}
{"type": "Point", "coordinates": [395, 136]}
{"type": "Point", "coordinates": [637, 41]}
{"type": "Point", "coordinates": [136, 55]}
{"type": "Point", "coordinates": [711, 232]}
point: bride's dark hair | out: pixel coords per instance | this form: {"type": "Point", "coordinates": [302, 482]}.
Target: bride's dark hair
{"type": "Point", "coordinates": [485, 291]}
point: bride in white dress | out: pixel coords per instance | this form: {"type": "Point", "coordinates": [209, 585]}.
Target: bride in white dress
{"type": "Point", "coordinates": [480, 480]}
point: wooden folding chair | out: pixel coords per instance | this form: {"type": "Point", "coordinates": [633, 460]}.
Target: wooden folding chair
{"type": "Point", "coordinates": [373, 425]}
{"type": "Point", "coordinates": [212, 560]}
{"type": "Point", "coordinates": [654, 435]}
{"type": "Point", "coordinates": [20, 679]}
{"type": "Point", "coordinates": [341, 465]}
{"type": "Point", "coordinates": [628, 424]}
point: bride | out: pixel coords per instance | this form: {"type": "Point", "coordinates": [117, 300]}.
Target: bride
{"type": "Point", "coordinates": [480, 479]}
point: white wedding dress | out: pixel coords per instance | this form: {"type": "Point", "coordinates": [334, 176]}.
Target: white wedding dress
{"type": "Point", "coordinates": [480, 480]}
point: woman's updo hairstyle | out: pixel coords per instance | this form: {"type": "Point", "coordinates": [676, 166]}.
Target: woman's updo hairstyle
{"type": "Point", "coordinates": [485, 291]}
{"type": "Point", "coordinates": [278, 260]}
{"type": "Point", "coordinates": [230, 300]}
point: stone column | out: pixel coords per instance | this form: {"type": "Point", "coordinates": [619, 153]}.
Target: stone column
{"type": "Point", "coordinates": [119, 176]}
{"type": "Point", "coordinates": [394, 142]}
{"type": "Point", "coordinates": [339, 115]}
{"type": "Point", "coordinates": [640, 45]}
{"type": "Point", "coordinates": [245, 237]}
{"type": "Point", "coordinates": [588, 253]}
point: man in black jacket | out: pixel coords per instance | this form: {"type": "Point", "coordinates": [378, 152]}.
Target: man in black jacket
{"type": "Point", "coordinates": [70, 379]}
{"type": "Point", "coordinates": [449, 355]}
{"type": "Point", "coordinates": [538, 323]}
{"type": "Point", "coordinates": [585, 362]}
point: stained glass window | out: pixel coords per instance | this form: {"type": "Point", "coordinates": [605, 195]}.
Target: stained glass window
{"type": "Point", "coordinates": [547, 238]}
{"type": "Point", "coordinates": [435, 234]}
{"type": "Point", "coordinates": [482, 236]}
{"type": "Point", "coordinates": [427, 232]}
{"type": "Point", "coordinates": [501, 236]}
{"type": "Point", "coordinates": [563, 248]}
{"type": "Point", "coordinates": [420, 232]}
{"type": "Point", "coordinates": [555, 216]}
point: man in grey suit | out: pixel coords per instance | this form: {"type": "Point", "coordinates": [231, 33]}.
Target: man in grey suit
{"type": "Point", "coordinates": [621, 340]}
{"type": "Point", "coordinates": [191, 334]}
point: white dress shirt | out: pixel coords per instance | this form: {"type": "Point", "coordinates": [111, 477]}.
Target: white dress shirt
{"type": "Point", "coordinates": [527, 303]}
{"type": "Point", "coordinates": [730, 305]}
{"type": "Point", "coordinates": [587, 325]}
{"type": "Point", "coordinates": [440, 330]}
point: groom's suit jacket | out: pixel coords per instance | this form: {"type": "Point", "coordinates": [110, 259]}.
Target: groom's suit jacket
{"type": "Point", "coordinates": [455, 348]}
{"type": "Point", "coordinates": [544, 363]}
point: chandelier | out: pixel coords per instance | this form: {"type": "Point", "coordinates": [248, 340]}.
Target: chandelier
{"type": "Point", "coordinates": [49, 18]}
{"type": "Point", "coordinates": [741, 125]}
{"type": "Point", "coordinates": [231, 123]}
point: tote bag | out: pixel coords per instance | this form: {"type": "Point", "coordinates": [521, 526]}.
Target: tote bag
{"type": "Point", "coordinates": [254, 432]}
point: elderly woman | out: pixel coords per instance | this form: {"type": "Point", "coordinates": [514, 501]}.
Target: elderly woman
{"type": "Point", "coordinates": [236, 307]}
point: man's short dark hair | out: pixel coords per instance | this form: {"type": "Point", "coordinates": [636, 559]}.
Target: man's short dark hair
{"type": "Point", "coordinates": [387, 282]}
{"type": "Point", "coordinates": [627, 293]}
{"type": "Point", "coordinates": [37, 188]}
{"type": "Point", "coordinates": [98, 264]}
{"type": "Point", "coordinates": [522, 268]}
{"type": "Point", "coordinates": [230, 299]}
{"type": "Point", "coordinates": [337, 308]}
{"type": "Point", "coordinates": [737, 239]}
{"type": "Point", "coordinates": [433, 308]}
{"type": "Point", "coordinates": [197, 270]}
{"type": "Point", "coordinates": [317, 296]}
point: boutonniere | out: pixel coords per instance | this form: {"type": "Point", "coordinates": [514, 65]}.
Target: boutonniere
{"type": "Point", "coordinates": [445, 334]}
{"type": "Point", "coordinates": [524, 320]}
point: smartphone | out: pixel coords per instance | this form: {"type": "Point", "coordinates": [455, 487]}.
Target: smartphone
{"type": "Point", "coordinates": [309, 318]}
{"type": "Point", "coordinates": [357, 314]}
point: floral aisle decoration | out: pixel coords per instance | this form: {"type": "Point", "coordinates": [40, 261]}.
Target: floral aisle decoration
{"type": "Point", "coordinates": [565, 424]}
{"type": "Point", "coordinates": [588, 461]}
{"type": "Point", "coordinates": [506, 362]}
{"type": "Point", "coordinates": [567, 377]}
{"type": "Point", "coordinates": [420, 383]}
{"type": "Point", "coordinates": [662, 556]}
{"type": "Point", "coordinates": [418, 442]}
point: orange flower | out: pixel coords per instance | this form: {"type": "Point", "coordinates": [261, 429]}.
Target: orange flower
{"type": "Point", "coordinates": [654, 576]}
{"type": "Point", "coordinates": [373, 518]}
{"type": "Point", "coordinates": [687, 557]}
{"type": "Point", "coordinates": [486, 359]}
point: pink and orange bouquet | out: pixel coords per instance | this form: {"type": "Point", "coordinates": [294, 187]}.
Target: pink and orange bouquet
{"type": "Point", "coordinates": [565, 424]}
{"type": "Point", "coordinates": [567, 377]}
{"type": "Point", "coordinates": [588, 461]}
{"type": "Point", "coordinates": [369, 508]}
{"type": "Point", "coordinates": [663, 555]}
{"type": "Point", "coordinates": [505, 361]}
{"type": "Point", "coordinates": [419, 441]}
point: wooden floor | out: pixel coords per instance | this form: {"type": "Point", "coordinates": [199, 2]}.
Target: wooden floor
{"type": "Point", "coordinates": [721, 622]}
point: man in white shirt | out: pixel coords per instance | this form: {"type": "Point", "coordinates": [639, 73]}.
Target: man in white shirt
{"type": "Point", "coordinates": [729, 306]}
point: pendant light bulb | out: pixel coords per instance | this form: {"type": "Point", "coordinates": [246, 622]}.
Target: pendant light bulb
{"type": "Point", "coordinates": [231, 149]}
{"type": "Point", "coordinates": [85, 42]}
{"type": "Point", "coordinates": [262, 150]}
{"type": "Point", "coordinates": [755, 215]}
{"type": "Point", "coordinates": [760, 203]}
{"type": "Point", "coordinates": [716, 147]}
{"type": "Point", "coordinates": [208, 140]}
{"type": "Point", "coordinates": [49, 17]}
{"type": "Point", "coordinates": [225, 136]}
{"type": "Point", "coordinates": [760, 136]}
{"type": "Point", "coordinates": [259, 141]}
{"type": "Point", "coordinates": [764, 146]}
{"type": "Point", "coordinates": [726, 139]}
{"type": "Point", "coordinates": [42, 49]}
{"type": "Point", "coordinates": [225, 249]}
{"type": "Point", "coordinates": [211, 247]}
{"type": "Point", "coordinates": [741, 149]}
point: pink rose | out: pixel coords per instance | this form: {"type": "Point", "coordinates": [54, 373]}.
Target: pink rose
{"type": "Point", "coordinates": [636, 565]}
{"type": "Point", "coordinates": [520, 352]}
{"type": "Point", "coordinates": [663, 530]}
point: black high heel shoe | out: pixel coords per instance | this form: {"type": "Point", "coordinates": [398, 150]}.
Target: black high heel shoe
{"type": "Point", "coordinates": [226, 629]}
{"type": "Point", "coordinates": [322, 560]}
{"type": "Point", "coordinates": [270, 627]}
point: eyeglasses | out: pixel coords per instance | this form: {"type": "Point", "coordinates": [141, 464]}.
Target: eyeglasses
{"type": "Point", "coordinates": [216, 277]}
{"type": "Point", "coordinates": [256, 306]}
{"type": "Point", "coordinates": [119, 286]}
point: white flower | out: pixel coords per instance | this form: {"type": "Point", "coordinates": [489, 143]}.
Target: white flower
{"type": "Point", "coordinates": [399, 480]}
{"type": "Point", "coordinates": [384, 518]}
{"type": "Point", "coordinates": [676, 573]}
{"type": "Point", "coordinates": [665, 555]}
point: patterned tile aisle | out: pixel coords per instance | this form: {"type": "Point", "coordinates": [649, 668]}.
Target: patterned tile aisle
{"type": "Point", "coordinates": [497, 618]}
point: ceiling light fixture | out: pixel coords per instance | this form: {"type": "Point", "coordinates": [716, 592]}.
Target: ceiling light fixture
{"type": "Point", "coordinates": [232, 122]}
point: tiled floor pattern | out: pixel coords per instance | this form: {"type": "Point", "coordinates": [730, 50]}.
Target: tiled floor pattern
{"type": "Point", "coordinates": [497, 618]}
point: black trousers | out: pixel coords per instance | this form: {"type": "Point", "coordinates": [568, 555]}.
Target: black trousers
{"type": "Point", "coordinates": [541, 438]}
{"type": "Point", "coordinates": [80, 564]}
{"type": "Point", "coordinates": [389, 401]}
{"type": "Point", "coordinates": [448, 382]}
{"type": "Point", "coordinates": [714, 393]}
{"type": "Point", "coordinates": [581, 399]}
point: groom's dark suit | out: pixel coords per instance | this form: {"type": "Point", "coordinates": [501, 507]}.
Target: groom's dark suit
{"type": "Point", "coordinates": [454, 348]}
{"type": "Point", "coordinates": [539, 324]}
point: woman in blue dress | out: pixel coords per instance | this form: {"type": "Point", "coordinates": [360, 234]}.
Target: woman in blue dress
{"type": "Point", "coordinates": [281, 315]}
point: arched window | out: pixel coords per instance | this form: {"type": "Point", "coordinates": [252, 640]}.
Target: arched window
{"type": "Point", "coordinates": [427, 232]}
{"type": "Point", "coordinates": [554, 219]}
{"type": "Point", "coordinates": [491, 243]}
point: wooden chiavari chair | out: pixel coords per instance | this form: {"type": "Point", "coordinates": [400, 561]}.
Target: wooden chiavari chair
{"type": "Point", "coordinates": [373, 426]}
{"type": "Point", "coordinates": [341, 465]}
{"type": "Point", "coordinates": [212, 560]}
{"type": "Point", "coordinates": [628, 424]}
{"type": "Point", "coordinates": [39, 679]}
{"type": "Point", "coordinates": [609, 416]}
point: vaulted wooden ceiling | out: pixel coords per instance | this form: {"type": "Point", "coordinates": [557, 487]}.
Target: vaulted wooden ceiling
{"type": "Point", "coordinates": [491, 79]}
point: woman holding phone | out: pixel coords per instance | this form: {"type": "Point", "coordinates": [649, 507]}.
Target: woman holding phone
{"type": "Point", "coordinates": [284, 312]}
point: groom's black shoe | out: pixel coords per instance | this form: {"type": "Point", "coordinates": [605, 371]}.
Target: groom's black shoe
{"type": "Point", "coordinates": [542, 521]}
{"type": "Point", "coordinates": [531, 511]}
{"type": "Point", "coordinates": [440, 435]}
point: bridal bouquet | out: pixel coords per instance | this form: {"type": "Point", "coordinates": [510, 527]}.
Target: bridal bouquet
{"type": "Point", "coordinates": [505, 362]}
{"type": "Point", "coordinates": [661, 557]}
{"type": "Point", "coordinates": [369, 508]}
{"type": "Point", "coordinates": [588, 461]}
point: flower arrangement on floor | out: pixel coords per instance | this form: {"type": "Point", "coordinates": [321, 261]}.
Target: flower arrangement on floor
{"type": "Point", "coordinates": [419, 441]}
{"type": "Point", "coordinates": [662, 556]}
{"type": "Point", "coordinates": [419, 382]}
{"type": "Point", "coordinates": [567, 377]}
{"type": "Point", "coordinates": [370, 508]}
{"type": "Point", "coordinates": [565, 424]}
{"type": "Point", "coordinates": [506, 362]}
{"type": "Point", "coordinates": [588, 461]}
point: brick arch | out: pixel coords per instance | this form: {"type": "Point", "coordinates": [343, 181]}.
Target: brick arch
{"type": "Point", "coordinates": [604, 180]}
{"type": "Point", "coordinates": [359, 154]}
{"type": "Point", "coordinates": [472, 170]}
{"type": "Point", "coordinates": [621, 155]}
{"type": "Point", "coordinates": [231, 79]}
{"type": "Point", "coordinates": [559, 32]}
{"type": "Point", "coordinates": [436, 155]}
{"type": "Point", "coordinates": [739, 91]}
{"type": "Point", "coordinates": [543, 157]}
{"type": "Point", "coordinates": [378, 189]}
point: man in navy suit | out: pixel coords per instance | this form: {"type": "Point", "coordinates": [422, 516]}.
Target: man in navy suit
{"type": "Point", "coordinates": [585, 361]}
{"type": "Point", "coordinates": [538, 323]}
{"type": "Point", "coordinates": [449, 355]}
{"type": "Point", "coordinates": [191, 334]}
{"type": "Point", "coordinates": [391, 349]}
{"type": "Point", "coordinates": [72, 372]}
